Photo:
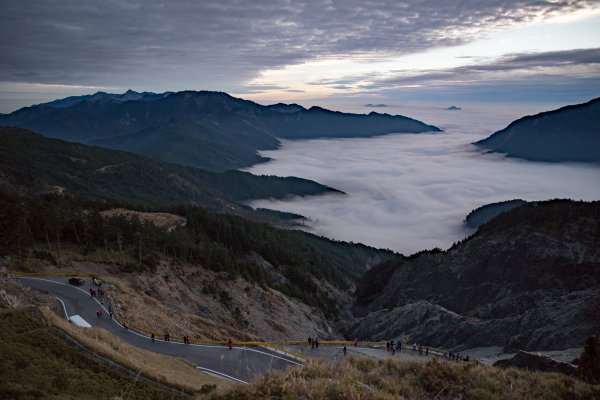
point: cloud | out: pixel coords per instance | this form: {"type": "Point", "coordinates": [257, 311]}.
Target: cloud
{"type": "Point", "coordinates": [541, 66]}
{"type": "Point", "coordinates": [158, 45]}
{"type": "Point", "coordinates": [568, 76]}
{"type": "Point", "coordinates": [410, 192]}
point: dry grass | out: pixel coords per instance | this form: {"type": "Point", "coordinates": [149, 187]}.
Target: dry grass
{"type": "Point", "coordinates": [38, 362]}
{"type": "Point", "coordinates": [169, 370]}
{"type": "Point", "coordinates": [363, 378]}
{"type": "Point", "coordinates": [162, 220]}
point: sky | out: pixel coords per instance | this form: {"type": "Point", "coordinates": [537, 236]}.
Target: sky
{"type": "Point", "coordinates": [303, 51]}
{"type": "Point", "coordinates": [410, 192]}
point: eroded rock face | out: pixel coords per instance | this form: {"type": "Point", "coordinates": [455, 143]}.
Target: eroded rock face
{"type": "Point", "coordinates": [530, 279]}
{"type": "Point", "coordinates": [537, 362]}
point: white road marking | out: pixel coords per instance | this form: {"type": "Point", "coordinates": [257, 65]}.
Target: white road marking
{"type": "Point", "coordinates": [220, 374]}
{"type": "Point", "coordinates": [64, 307]}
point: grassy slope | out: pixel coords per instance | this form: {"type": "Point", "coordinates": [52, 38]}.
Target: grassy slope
{"type": "Point", "coordinates": [171, 371]}
{"type": "Point", "coordinates": [38, 362]}
{"type": "Point", "coordinates": [362, 378]}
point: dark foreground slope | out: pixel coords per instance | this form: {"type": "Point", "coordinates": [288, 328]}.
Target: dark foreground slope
{"type": "Point", "coordinates": [37, 362]}
{"type": "Point", "coordinates": [528, 279]}
{"type": "Point", "coordinates": [570, 133]}
{"type": "Point", "coordinates": [210, 130]}
{"type": "Point", "coordinates": [35, 163]}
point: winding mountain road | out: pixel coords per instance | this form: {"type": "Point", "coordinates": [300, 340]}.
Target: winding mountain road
{"type": "Point", "coordinates": [239, 364]}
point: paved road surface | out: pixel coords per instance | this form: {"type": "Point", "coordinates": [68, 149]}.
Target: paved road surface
{"type": "Point", "coordinates": [335, 353]}
{"type": "Point", "coordinates": [239, 364]}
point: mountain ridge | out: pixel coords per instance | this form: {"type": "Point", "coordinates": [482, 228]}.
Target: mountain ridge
{"type": "Point", "coordinates": [210, 130]}
{"type": "Point", "coordinates": [570, 133]}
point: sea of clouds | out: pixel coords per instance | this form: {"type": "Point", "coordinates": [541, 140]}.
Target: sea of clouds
{"type": "Point", "coordinates": [409, 192]}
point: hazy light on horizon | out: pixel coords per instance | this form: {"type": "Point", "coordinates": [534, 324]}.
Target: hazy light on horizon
{"type": "Point", "coordinates": [306, 50]}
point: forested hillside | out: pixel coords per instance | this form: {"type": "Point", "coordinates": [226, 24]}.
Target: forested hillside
{"type": "Point", "coordinates": [45, 226]}
{"type": "Point", "coordinates": [31, 162]}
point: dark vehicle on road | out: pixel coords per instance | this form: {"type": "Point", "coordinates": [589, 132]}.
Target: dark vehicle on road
{"type": "Point", "coordinates": [76, 281]}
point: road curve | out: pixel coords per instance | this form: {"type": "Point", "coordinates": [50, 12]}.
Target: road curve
{"type": "Point", "coordinates": [240, 364]}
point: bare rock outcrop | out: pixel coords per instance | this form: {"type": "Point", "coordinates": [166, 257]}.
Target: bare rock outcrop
{"type": "Point", "coordinates": [537, 362]}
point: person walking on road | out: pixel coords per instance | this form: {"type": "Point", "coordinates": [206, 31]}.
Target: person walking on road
{"type": "Point", "coordinates": [230, 344]}
{"type": "Point", "coordinates": [344, 350]}
{"type": "Point", "coordinates": [152, 337]}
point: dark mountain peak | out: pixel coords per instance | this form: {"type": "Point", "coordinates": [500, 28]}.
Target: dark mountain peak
{"type": "Point", "coordinates": [317, 108]}
{"type": "Point", "coordinates": [203, 93]}
{"type": "Point", "coordinates": [570, 133]}
{"type": "Point", "coordinates": [286, 108]}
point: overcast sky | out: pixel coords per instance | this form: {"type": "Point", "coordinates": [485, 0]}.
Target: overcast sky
{"type": "Point", "coordinates": [302, 50]}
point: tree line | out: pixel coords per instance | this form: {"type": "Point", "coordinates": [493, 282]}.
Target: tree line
{"type": "Point", "coordinates": [43, 226]}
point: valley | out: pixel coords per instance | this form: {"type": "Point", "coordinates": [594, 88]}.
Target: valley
{"type": "Point", "coordinates": [300, 200]}
{"type": "Point", "coordinates": [202, 254]}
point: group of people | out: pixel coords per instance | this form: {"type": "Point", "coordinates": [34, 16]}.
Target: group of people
{"type": "Point", "coordinates": [420, 349]}
{"type": "Point", "coordinates": [186, 339]}
{"type": "Point", "coordinates": [392, 346]}
{"type": "Point", "coordinates": [99, 294]}
{"type": "Point", "coordinates": [455, 357]}
{"type": "Point", "coordinates": [313, 343]}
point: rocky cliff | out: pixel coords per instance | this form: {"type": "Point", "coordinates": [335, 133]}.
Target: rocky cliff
{"type": "Point", "coordinates": [528, 279]}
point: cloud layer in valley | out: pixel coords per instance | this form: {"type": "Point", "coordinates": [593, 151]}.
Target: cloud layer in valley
{"type": "Point", "coordinates": [411, 192]}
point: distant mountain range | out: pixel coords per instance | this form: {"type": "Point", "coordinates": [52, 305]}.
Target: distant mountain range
{"type": "Point", "coordinates": [33, 163]}
{"type": "Point", "coordinates": [210, 130]}
{"type": "Point", "coordinates": [570, 133]}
